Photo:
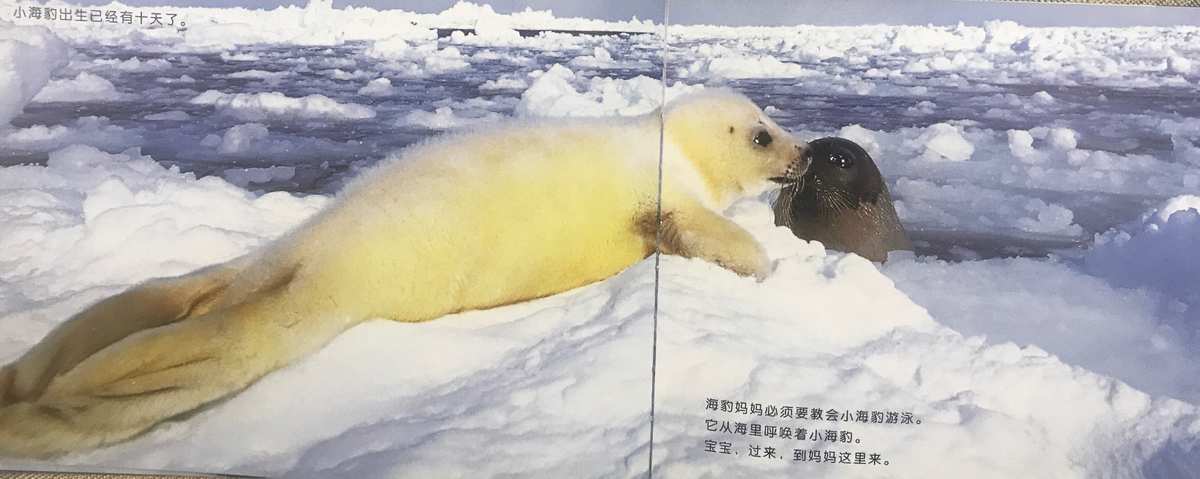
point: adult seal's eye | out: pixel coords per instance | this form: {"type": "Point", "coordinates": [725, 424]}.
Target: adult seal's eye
{"type": "Point", "coordinates": [841, 161]}
{"type": "Point", "coordinates": [762, 138]}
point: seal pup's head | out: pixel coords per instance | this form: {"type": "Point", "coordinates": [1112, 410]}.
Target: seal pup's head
{"type": "Point", "coordinates": [843, 202]}
{"type": "Point", "coordinates": [732, 146]}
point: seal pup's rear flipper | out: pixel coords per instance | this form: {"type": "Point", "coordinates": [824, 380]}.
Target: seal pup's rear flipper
{"type": "Point", "coordinates": [159, 373]}
{"type": "Point", "coordinates": [148, 305]}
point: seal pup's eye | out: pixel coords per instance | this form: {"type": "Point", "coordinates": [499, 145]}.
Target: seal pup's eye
{"type": "Point", "coordinates": [762, 138]}
{"type": "Point", "coordinates": [841, 161]}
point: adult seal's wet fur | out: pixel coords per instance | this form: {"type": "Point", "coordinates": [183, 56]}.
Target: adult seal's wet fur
{"type": "Point", "coordinates": [843, 202]}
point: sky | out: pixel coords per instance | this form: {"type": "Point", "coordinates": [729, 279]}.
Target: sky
{"type": "Point", "coordinates": [781, 12]}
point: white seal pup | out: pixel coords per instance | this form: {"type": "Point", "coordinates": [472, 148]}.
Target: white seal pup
{"type": "Point", "coordinates": [469, 220]}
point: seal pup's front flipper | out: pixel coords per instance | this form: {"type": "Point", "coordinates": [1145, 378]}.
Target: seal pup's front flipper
{"type": "Point", "coordinates": [163, 372]}
{"type": "Point", "coordinates": [694, 231]}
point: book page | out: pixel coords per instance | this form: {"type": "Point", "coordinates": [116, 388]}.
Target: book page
{"type": "Point", "coordinates": [328, 240]}
{"type": "Point", "coordinates": [987, 267]}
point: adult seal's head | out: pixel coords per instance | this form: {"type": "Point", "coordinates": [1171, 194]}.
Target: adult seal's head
{"type": "Point", "coordinates": [843, 202]}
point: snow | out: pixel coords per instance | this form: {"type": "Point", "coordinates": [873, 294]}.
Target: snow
{"type": "Point", "coordinates": [277, 106]}
{"type": "Point", "coordinates": [125, 201]}
{"type": "Point", "coordinates": [173, 115]}
{"type": "Point", "coordinates": [87, 130]}
{"type": "Point", "coordinates": [420, 60]}
{"type": "Point", "coordinates": [554, 93]}
{"type": "Point", "coordinates": [241, 138]}
{"type": "Point", "coordinates": [239, 57]}
{"type": "Point", "coordinates": [854, 340]}
{"type": "Point", "coordinates": [377, 87]}
{"type": "Point", "coordinates": [244, 177]}
{"type": "Point", "coordinates": [445, 60]}
{"type": "Point", "coordinates": [181, 79]}
{"type": "Point", "coordinates": [505, 83]}
{"type": "Point", "coordinates": [996, 53]}
{"type": "Point", "coordinates": [138, 219]}
{"type": "Point", "coordinates": [394, 47]}
{"type": "Point", "coordinates": [134, 64]}
{"type": "Point", "coordinates": [1063, 139]}
{"type": "Point", "coordinates": [444, 118]}
{"type": "Point", "coordinates": [260, 74]}
{"type": "Point", "coordinates": [28, 56]}
{"type": "Point", "coordinates": [1181, 65]}
{"type": "Point", "coordinates": [1156, 253]}
{"type": "Point", "coordinates": [744, 67]}
{"type": "Point", "coordinates": [945, 142]}
{"type": "Point", "coordinates": [1043, 98]}
{"type": "Point", "coordinates": [974, 208]}
{"type": "Point", "coordinates": [84, 87]}
{"type": "Point", "coordinates": [1020, 143]}
{"type": "Point", "coordinates": [1049, 176]}
{"type": "Point", "coordinates": [1048, 218]}
{"type": "Point", "coordinates": [68, 216]}
{"type": "Point", "coordinates": [600, 58]}
{"type": "Point", "coordinates": [489, 26]}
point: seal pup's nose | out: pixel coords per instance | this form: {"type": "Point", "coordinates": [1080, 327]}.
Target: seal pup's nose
{"type": "Point", "coordinates": [798, 166]}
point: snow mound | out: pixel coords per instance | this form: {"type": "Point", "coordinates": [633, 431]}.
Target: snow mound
{"type": "Point", "coordinates": [490, 27]}
{"type": "Point", "coordinates": [554, 94]}
{"type": "Point", "coordinates": [262, 75]}
{"type": "Point", "coordinates": [28, 56]}
{"type": "Point", "coordinates": [600, 58]}
{"type": "Point", "coordinates": [242, 138]}
{"type": "Point", "coordinates": [829, 331]}
{"type": "Point", "coordinates": [417, 58]}
{"type": "Point", "coordinates": [444, 118]}
{"type": "Point", "coordinates": [495, 26]}
{"type": "Point", "coordinates": [101, 221]}
{"type": "Point", "coordinates": [134, 64]}
{"type": "Point", "coordinates": [84, 87]}
{"type": "Point", "coordinates": [445, 60]}
{"type": "Point", "coordinates": [89, 130]}
{"type": "Point", "coordinates": [958, 176]}
{"type": "Point", "coordinates": [71, 217]}
{"type": "Point", "coordinates": [1020, 143]}
{"type": "Point", "coordinates": [182, 79]}
{"type": "Point", "coordinates": [504, 83]}
{"type": "Point", "coordinates": [277, 106]}
{"type": "Point", "coordinates": [972, 207]}
{"type": "Point", "coordinates": [244, 177]}
{"type": "Point", "coordinates": [239, 57]}
{"type": "Point", "coordinates": [173, 115]}
{"type": "Point", "coordinates": [742, 66]}
{"type": "Point", "coordinates": [90, 223]}
{"type": "Point", "coordinates": [394, 47]}
{"type": "Point", "coordinates": [945, 142]}
{"type": "Point", "coordinates": [377, 87]}
{"type": "Point", "coordinates": [1157, 252]}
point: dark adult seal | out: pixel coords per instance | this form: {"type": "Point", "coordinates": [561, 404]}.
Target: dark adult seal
{"type": "Point", "coordinates": [843, 202]}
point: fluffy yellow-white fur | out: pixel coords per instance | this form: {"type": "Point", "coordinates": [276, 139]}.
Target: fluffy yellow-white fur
{"type": "Point", "coordinates": [466, 221]}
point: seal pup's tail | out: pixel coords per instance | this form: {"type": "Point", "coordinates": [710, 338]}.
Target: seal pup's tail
{"type": "Point", "coordinates": [160, 350]}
